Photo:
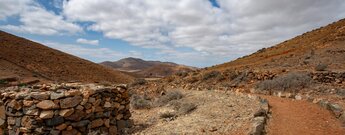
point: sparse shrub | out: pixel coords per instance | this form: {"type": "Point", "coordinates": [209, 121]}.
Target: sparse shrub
{"type": "Point", "coordinates": [139, 81]}
{"type": "Point", "coordinates": [321, 67]}
{"type": "Point", "coordinates": [139, 102]}
{"type": "Point", "coordinates": [192, 79]}
{"type": "Point", "coordinates": [169, 96]}
{"type": "Point", "coordinates": [181, 73]}
{"type": "Point", "coordinates": [167, 114]}
{"type": "Point", "coordinates": [286, 82]}
{"type": "Point", "coordinates": [240, 78]}
{"type": "Point", "coordinates": [211, 74]}
{"type": "Point", "coordinates": [186, 108]}
{"type": "Point", "coordinates": [182, 108]}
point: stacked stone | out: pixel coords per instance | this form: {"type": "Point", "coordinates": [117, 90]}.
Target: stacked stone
{"type": "Point", "coordinates": [80, 109]}
{"type": "Point", "coordinates": [329, 77]}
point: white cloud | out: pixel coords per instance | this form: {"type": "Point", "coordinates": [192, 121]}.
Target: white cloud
{"type": "Point", "coordinates": [12, 7]}
{"type": "Point", "coordinates": [85, 41]}
{"type": "Point", "coordinates": [94, 54]}
{"type": "Point", "coordinates": [37, 20]}
{"type": "Point", "coordinates": [238, 27]}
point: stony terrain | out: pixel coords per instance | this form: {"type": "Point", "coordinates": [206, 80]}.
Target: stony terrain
{"type": "Point", "coordinates": [23, 59]}
{"type": "Point", "coordinates": [215, 113]}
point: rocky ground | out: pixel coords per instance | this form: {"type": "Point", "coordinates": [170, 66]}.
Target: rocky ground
{"type": "Point", "coordinates": [215, 113]}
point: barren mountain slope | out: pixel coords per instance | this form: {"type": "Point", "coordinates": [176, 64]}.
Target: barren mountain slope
{"type": "Point", "coordinates": [141, 68]}
{"type": "Point", "coordinates": [23, 58]}
{"type": "Point", "coordinates": [325, 45]}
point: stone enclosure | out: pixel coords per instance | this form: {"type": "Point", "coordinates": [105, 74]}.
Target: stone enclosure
{"type": "Point", "coordinates": [66, 109]}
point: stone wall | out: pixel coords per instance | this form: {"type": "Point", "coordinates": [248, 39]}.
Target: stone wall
{"type": "Point", "coordinates": [67, 109]}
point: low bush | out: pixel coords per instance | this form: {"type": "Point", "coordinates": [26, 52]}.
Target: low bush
{"type": "Point", "coordinates": [211, 74]}
{"type": "Point", "coordinates": [169, 96]}
{"type": "Point", "coordinates": [290, 81]}
{"type": "Point", "coordinates": [139, 102]}
{"type": "Point", "coordinates": [167, 114]}
{"type": "Point", "coordinates": [139, 81]}
{"type": "Point", "coordinates": [321, 67]}
{"type": "Point", "coordinates": [182, 108]}
{"type": "Point", "coordinates": [186, 108]}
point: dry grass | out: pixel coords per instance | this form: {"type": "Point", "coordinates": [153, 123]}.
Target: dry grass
{"type": "Point", "coordinates": [169, 96]}
{"type": "Point", "coordinates": [290, 81]}
{"type": "Point", "coordinates": [139, 102]}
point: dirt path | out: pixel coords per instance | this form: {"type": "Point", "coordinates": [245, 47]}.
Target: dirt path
{"type": "Point", "coordinates": [301, 118]}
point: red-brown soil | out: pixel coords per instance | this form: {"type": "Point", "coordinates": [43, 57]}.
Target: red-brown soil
{"type": "Point", "coordinates": [22, 58]}
{"type": "Point", "coordinates": [324, 45]}
{"type": "Point", "coordinates": [299, 117]}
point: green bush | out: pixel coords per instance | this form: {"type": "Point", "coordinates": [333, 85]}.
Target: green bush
{"type": "Point", "coordinates": [290, 81]}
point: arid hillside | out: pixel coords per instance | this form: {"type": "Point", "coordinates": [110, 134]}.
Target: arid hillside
{"type": "Point", "coordinates": [325, 46]}
{"type": "Point", "coordinates": [25, 59]}
{"type": "Point", "coordinates": [147, 69]}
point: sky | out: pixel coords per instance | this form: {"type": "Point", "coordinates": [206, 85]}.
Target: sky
{"type": "Point", "coordinates": [197, 33]}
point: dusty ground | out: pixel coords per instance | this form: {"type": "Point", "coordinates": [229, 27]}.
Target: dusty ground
{"type": "Point", "coordinates": [216, 113]}
{"type": "Point", "coordinates": [291, 117]}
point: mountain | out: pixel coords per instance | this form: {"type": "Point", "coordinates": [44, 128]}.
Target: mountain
{"type": "Point", "coordinates": [325, 46]}
{"type": "Point", "coordinates": [142, 68]}
{"type": "Point", "coordinates": [23, 59]}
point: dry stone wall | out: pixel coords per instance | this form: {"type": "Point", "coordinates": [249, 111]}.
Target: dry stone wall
{"type": "Point", "coordinates": [67, 109]}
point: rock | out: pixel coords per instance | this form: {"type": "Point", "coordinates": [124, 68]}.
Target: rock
{"type": "Point", "coordinates": [82, 123]}
{"type": "Point", "coordinates": [54, 121]}
{"type": "Point", "coordinates": [2, 122]}
{"type": "Point", "coordinates": [70, 132]}
{"type": "Point", "coordinates": [96, 123]}
{"type": "Point", "coordinates": [11, 120]}
{"type": "Point", "coordinates": [336, 109]}
{"type": "Point", "coordinates": [258, 126]}
{"type": "Point", "coordinates": [47, 114]}
{"type": "Point", "coordinates": [77, 115]}
{"type": "Point", "coordinates": [47, 104]}
{"type": "Point", "coordinates": [70, 102]}
{"type": "Point", "coordinates": [107, 105]}
{"type": "Point", "coordinates": [28, 103]}
{"type": "Point", "coordinates": [298, 97]}
{"type": "Point", "coordinates": [32, 112]}
{"type": "Point", "coordinates": [61, 126]}
{"type": "Point", "coordinates": [107, 123]}
{"type": "Point", "coordinates": [79, 107]}
{"type": "Point", "coordinates": [119, 116]}
{"type": "Point", "coordinates": [66, 112]}
{"type": "Point", "coordinates": [71, 93]}
{"type": "Point", "coordinates": [117, 105]}
{"type": "Point", "coordinates": [54, 132]}
{"type": "Point", "coordinates": [342, 118]}
{"type": "Point", "coordinates": [55, 95]}
{"type": "Point", "coordinates": [113, 130]}
{"type": "Point", "coordinates": [260, 112]}
{"type": "Point", "coordinates": [324, 104]}
{"type": "Point", "coordinates": [40, 95]}
{"type": "Point", "coordinates": [15, 105]}
{"type": "Point", "coordinates": [121, 124]}
{"type": "Point", "coordinates": [2, 112]}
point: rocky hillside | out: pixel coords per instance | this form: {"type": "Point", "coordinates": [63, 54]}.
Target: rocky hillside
{"type": "Point", "coordinates": [323, 46]}
{"type": "Point", "coordinates": [23, 59]}
{"type": "Point", "coordinates": [148, 69]}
